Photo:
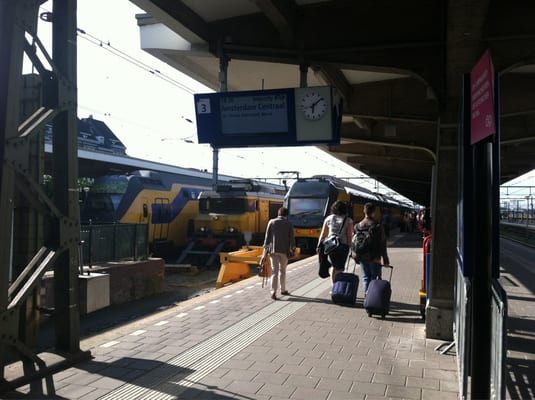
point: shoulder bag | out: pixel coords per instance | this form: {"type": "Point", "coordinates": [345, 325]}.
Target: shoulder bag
{"type": "Point", "coordinates": [332, 242]}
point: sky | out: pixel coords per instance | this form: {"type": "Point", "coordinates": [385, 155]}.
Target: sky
{"type": "Point", "coordinates": [150, 115]}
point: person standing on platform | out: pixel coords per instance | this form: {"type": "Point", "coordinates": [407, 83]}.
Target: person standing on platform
{"type": "Point", "coordinates": [370, 246]}
{"type": "Point", "coordinates": [279, 244]}
{"type": "Point", "coordinates": [338, 223]}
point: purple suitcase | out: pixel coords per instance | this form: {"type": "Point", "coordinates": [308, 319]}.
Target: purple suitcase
{"type": "Point", "coordinates": [377, 299]}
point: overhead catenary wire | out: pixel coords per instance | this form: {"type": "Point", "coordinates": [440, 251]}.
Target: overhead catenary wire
{"type": "Point", "coordinates": [106, 45]}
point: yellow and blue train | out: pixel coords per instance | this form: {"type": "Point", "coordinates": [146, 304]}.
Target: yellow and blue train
{"type": "Point", "coordinates": [166, 202]}
{"type": "Point", "coordinates": [309, 201]}
{"type": "Point", "coordinates": [183, 212]}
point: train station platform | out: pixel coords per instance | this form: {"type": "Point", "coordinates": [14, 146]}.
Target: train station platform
{"type": "Point", "coordinates": [237, 343]}
{"type": "Point", "coordinates": [518, 280]}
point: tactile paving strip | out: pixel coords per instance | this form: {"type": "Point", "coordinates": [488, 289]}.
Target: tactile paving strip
{"type": "Point", "coordinates": [194, 364]}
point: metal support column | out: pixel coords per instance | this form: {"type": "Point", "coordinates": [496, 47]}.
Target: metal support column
{"type": "Point", "coordinates": [215, 167]}
{"type": "Point", "coordinates": [439, 307]}
{"type": "Point", "coordinates": [28, 221]}
{"type": "Point", "coordinates": [12, 42]}
{"type": "Point", "coordinates": [65, 146]}
{"type": "Point", "coordinates": [482, 271]}
{"type": "Point", "coordinates": [303, 75]}
{"type": "Point", "coordinates": [48, 94]}
{"type": "Point", "coordinates": [223, 87]}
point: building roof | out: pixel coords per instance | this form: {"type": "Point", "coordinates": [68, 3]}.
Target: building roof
{"type": "Point", "coordinates": [398, 65]}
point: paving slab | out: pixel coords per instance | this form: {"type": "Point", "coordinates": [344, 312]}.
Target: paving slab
{"type": "Point", "coordinates": [236, 342]}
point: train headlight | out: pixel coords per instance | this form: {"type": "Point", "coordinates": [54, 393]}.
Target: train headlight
{"type": "Point", "coordinates": [230, 229]}
{"type": "Point", "coordinates": [203, 229]}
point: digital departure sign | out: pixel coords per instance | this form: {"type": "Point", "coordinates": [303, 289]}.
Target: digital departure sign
{"type": "Point", "coordinates": [247, 115]}
{"type": "Point", "coordinates": [280, 117]}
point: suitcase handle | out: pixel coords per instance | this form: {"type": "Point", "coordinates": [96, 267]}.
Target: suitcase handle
{"type": "Point", "coordinates": [347, 265]}
{"type": "Point", "coordinates": [391, 267]}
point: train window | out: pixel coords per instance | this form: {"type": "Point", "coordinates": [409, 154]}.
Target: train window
{"type": "Point", "coordinates": [145, 210]}
{"type": "Point", "coordinates": [252, 205]}
{"type": "Point", "coordinates": [150, 181]}
{"type": "Point", "coordinates": [228, 205]}
{"type": "Point", "coordinates": [204, 205]}
{"type": "Point", "coordinates": [102, 202]}
{"type": "Point", "coordinates": [307, 206]}
{"type": "Point", "coordinates": [192, 194]}
{"type": "Point", "coordinates": [110, 185]}
{"type": "Point", "coordinates": [310, 189]}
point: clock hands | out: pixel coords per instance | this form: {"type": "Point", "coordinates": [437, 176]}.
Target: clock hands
{"type": "Point", "coordinates": [313, 105]}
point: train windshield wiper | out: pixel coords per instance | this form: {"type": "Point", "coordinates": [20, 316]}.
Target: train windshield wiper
{"type": "Point", "coordinates": [309, 212]}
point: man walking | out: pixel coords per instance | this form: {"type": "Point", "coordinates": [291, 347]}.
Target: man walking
{"type": "Point", "coordinates": [279, 244]}
{"type": "Point", "coordinates": [370, 246]}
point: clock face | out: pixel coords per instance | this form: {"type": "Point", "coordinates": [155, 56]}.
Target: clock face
{"type": "Point", "coordinates": [313, 105]}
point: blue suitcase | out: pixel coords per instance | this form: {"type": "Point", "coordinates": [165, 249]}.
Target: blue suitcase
{"type": "Point", "coordinates": [345, 287]}
{"type": "Point", "coordinates": [377, 300]}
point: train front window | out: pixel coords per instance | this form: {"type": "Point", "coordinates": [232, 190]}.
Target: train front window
{"type": "Point", "coordinates": [100, 202]}
{"type": "Point", "coordinates": [228, 205]}
{"type": "Point", "coordinates": [307, 206]}
{"type": "Point", "coordinates": [112, 185]}
{"type": "Point", "coordinates": [309, 189]}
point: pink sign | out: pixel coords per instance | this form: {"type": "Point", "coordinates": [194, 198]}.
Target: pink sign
{"type": "Point", "coordinates": [483, 119]}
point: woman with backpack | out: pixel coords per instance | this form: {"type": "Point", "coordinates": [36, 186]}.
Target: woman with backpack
{"type": "Point", "coordinates": [369, 246]}
{"type": "Point", "coordinates": [337, 228]}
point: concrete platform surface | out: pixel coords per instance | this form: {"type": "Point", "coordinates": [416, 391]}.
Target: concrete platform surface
{"type": "Point", "coordinates": [518, 280]}
{"type": "Point", "coordinates": [237, 343]}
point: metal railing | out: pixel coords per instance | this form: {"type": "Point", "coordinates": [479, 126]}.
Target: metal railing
{"type": "Point", "coordinates": [499, 340]}
{"type": "Point", "coordinates": [462, 329]}
{"type": "Point", "coordinates": [113, 242]}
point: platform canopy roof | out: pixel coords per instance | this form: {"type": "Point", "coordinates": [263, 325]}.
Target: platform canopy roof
{"type": "Point", "coordinates": [397, 64]}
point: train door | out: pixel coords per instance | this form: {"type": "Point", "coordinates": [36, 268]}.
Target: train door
{"type": "Point", "coordinates": [258, 221]}
{"type": "Point", "coordinates": [161, 217]}
{"type": "Point", "coordinates": [273, 209]}
{"type": "Point", "coordinates": [259, 216]}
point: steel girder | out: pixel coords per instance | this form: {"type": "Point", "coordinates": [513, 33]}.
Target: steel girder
{"type": "Point", "coordinates": [20, 182]}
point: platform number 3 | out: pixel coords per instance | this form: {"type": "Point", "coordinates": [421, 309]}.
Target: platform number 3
{"type": "Point", "coordinates": [203, 106]}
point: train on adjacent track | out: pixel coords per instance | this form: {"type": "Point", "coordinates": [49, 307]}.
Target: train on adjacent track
{"type": "Point", "coordinates": [186, 215]}
{"type": "Point", "coordinates": [235, 214]}
{"type": "Point", "coordinates": [184, 212]}
{"type": "Point", "coordinates": [165, 202]}
{"type": "Point", "coordinates": [309, 202]}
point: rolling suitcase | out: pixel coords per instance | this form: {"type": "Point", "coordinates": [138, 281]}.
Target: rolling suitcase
{"type": "Point", "coordinates": [345, 287]}
{"type": "Point", "coordinates": [377, 299]}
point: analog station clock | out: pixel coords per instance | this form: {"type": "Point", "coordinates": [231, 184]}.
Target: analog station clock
{"type": "Point", "coordinates": [313, 105]}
